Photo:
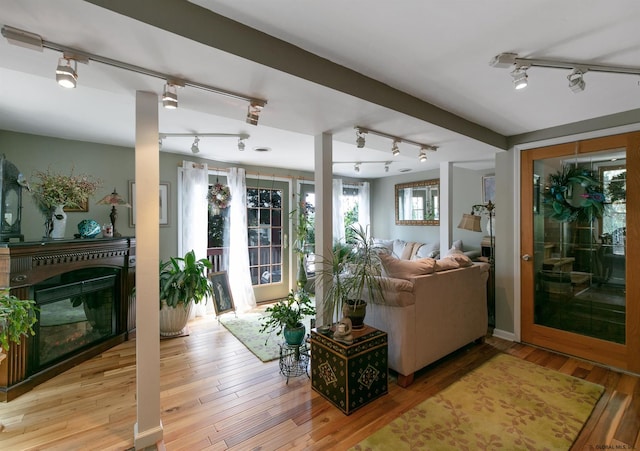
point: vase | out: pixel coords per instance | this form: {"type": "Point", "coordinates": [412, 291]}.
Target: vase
{"type": "Point", "coordinates": [59, 221]}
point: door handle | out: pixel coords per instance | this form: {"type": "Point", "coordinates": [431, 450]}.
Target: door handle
{"type": "Point", "coordinates": [526, 257]}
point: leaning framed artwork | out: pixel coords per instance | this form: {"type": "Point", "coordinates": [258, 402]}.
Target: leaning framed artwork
{"type": "Point", "coordinates": [489, 189]}
{"type": "Point", "coordinates": [222, 299]}
{"type": "Point", "coordinates": [163, 199]}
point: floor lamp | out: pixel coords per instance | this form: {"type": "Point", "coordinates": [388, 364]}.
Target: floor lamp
{"type": "Point", "coordinates": [472, 222]}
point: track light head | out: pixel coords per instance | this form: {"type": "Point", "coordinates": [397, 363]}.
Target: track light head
{"type": "Point", "coordinates": [576, 80]}
{"type": "Point", "coordinates": [360, 141]}
{"type": "Point", "coordinates": [422, 157]}
{"type": "Point", "coordinates": [395, 150]}
{"type": "Point", "coordinates": [253, 112]}
{"type": "Point", "coordinates": [386, 166]}
{"type": "Point", "coordinates": [67, 76]}
{"type": "Point", "coordinates": [170, 97]}
{"type": "Point", "coordinates": [520, 78]}
{"type": "Point", "coordinates": [356, 167]}
{"type": "Point", "coordinates": [241, 144]}
{"type": "Point", "coordinates": [194, 147]}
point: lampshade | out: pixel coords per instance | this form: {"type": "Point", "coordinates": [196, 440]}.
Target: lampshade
{"type": "Point", "coordinates": [113, 199]}
{"type": "Point", "coordinates": [470, 222]}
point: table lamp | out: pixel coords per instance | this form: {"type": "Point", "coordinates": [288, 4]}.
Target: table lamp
{"type": "Point", "coordinates": [114, 199]}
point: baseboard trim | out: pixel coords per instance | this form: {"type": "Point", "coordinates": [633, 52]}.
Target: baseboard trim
{"type": "Point", "coordinates": [504, 334]}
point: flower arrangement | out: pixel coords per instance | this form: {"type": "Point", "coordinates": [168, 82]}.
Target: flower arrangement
{"type": "Point", "coordinates": [219, 195]}
{"type": "Point", "coordinates": [69, 190]}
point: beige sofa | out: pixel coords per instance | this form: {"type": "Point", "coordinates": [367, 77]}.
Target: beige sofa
{"type": "Point", "coordinates": [431, 315]}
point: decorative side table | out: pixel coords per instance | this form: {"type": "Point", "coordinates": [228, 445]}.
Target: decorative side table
{"type": "Point", "coordinates": [350, 375]}
{"type": "Point", "coordinates": [294, 360]}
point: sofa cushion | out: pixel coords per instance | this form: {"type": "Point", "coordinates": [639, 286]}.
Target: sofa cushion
{"type": "Point", "coordinates": [407, 269]}
{"type": "Point", "coordinates": [455, 259]}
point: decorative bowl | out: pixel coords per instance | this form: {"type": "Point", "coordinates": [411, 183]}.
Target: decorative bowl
{"type": "Point", "coordinates": [88, 228]}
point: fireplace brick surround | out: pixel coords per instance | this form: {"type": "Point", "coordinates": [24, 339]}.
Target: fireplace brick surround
{"type": "Point", "coordinates": [24, 265]}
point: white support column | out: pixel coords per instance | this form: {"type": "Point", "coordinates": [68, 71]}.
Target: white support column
{"type": "Point", "coordinates": [323, 147]}
{"type": "Point", "coordinates": [148, 428]}
{"type": "Point", "coordinates": [446, 206]}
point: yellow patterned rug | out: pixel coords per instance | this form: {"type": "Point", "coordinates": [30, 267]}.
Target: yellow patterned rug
{"type": "Point", "coordinates": [507, 403]}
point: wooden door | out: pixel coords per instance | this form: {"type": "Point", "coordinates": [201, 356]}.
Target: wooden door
{"type": "Point", "coordinates": [580, 217]}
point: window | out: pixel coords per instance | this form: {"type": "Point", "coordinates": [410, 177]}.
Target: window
{"type": "Point", "coordinates": [264, 228]}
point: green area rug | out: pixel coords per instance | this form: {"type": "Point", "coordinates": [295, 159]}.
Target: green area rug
{"type": "Point", "coordinates": [507, 403]}
{"type": "Point", "coordinates": [246, 328]}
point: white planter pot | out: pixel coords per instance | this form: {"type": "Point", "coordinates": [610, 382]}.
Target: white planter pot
{"type": "Point", "coordinates": [173, 320]}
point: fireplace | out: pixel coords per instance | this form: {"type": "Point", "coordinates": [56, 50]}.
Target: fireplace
{"type": "Point", "coordinates": [83, 289]}
{"type": "Point", "coordinates": [77, 311]}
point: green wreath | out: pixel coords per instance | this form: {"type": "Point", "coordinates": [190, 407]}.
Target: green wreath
{"type": "Point", "coordinates": [561, 185]}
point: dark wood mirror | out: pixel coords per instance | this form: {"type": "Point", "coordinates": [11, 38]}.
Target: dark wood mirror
{"type": "Point", "coordinates": [418, 203]}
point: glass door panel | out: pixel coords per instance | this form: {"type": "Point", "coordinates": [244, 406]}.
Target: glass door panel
{"type": "Point", "coordinates": [580, 283]}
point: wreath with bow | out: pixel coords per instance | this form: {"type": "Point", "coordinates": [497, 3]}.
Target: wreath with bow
{"type": "Point", "coordinates": [219, 195]}
{"type": "Point", "coordinates": [561, 186]}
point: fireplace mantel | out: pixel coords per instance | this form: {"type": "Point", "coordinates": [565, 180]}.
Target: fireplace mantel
{"type": "Point", "coordinates": [24, 265]}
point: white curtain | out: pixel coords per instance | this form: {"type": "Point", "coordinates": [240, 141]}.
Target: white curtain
{"type": "Point", "coordinates": [239, 274]}
{"type": "Point", "coordinates": [364, 214]}
{"type": "Point", "coordinates": [194, 183]}
{"type": "Point", "coordinates": [338, 213]}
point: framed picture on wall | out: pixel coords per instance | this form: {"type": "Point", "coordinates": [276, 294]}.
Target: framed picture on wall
{"type": "Point", "coordinates": [163, 199]}
{"type": "Point", "coordinates": [83, 207]}
{"type": "Point", "coordinates": [222, 299]}
{"type": "Point", "coordinates": [489, 189]}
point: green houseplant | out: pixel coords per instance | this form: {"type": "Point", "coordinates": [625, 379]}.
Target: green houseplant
{"type": "Point", "coordinates": [285, 316]}
{"type": "Point", "coordinates": [183, 283]}
{"type": "Point", "coordinates": [304, 219]}
{"type": "Point", "coordinates": [17, 318]}
{"type": "Point", "coordinates": [351, 272]}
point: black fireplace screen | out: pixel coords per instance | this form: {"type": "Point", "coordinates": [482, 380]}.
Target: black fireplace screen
{"type": "Point", "coordinates": [77, 310]}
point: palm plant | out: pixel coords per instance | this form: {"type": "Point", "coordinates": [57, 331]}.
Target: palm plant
{"type": "Point", "coordinates": [351, 272]}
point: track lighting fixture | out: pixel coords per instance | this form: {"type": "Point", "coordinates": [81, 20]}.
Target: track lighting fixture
{"type": "Point", "coordinates": [576, 80]}
{"type": "Point", "coordinates": [422, 156]}
{"type": "Point", "coordinates": [395, 150]}
{"type": "Point", "coordinates": [386, 166]}
{"type": "Point", "coordinates": [253, 112]}
{"type": "Point", "coordinates": [194, 146]}
{"type": "Point", "coordinates": [34, 41]}
{"type": "Point", "coordinates": [520, 79]}
{"type": "Point", "coordinates": [356, 167]}
{"type": "Point", "coordinates": [170, 97]}
{"type": "Point", "coordinates": [360, 141]}
{"type": "Point", "coordinates": [67, 76]}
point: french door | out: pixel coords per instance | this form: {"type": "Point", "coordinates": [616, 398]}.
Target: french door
{"type": "Point", "coordinates": [580, 219]}
{"type": "Point", "coordinates": [267, 229]}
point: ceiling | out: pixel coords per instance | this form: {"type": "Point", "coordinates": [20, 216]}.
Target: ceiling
{"type": "Point", "coordinates": [416, 69]}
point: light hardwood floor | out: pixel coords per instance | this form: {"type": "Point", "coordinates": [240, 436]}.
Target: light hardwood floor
{"type": "Point", "coordinates": [216, 395]}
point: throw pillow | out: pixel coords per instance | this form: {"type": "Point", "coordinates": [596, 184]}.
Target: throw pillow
{"type": "Point", "coordinates": [430, 250]}
{"type": "Point", "coordinates": [455, 259]}
{"type": "Point", "coordinates": [407, 269]}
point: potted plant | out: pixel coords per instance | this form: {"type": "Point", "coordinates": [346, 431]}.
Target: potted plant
{"type": "Point", "coordinates": [55, 191]}
{"type": "Point", "coordinates": [17, 318]}
{"type": "Point", "coordinates": [183, 282]}
{"type": "Point", "coordinates": [285, 316]}
{"type": "Point", "coordinates": [353, 270]}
